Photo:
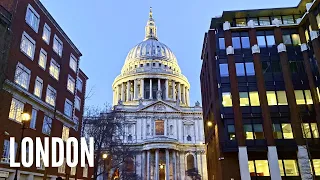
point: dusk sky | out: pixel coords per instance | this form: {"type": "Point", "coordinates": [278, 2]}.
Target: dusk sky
{"type": "Point", "coordinates": [105, 31]}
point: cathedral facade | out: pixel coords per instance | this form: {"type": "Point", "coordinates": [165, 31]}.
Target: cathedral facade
{"type": "Point", "coordinates": [153, 95]}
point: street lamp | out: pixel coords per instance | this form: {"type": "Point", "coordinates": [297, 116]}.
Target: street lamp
{"type": "Point", "coordinates": [209, 123]}
{"type": "Point", "coordinates": [25, 117]}
{"type": "Point", "coordinates": [105, 174]}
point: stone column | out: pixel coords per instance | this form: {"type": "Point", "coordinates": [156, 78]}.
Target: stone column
{"type": "Point", "coordinates": [179, 91]}
{"type": "Point", "coordinates": [142, 88]}
{"type": "Point", "coordinates": [167, 89]}
{"type": "Point", "coordinates": [159, 84]}
{"type": "Point", "coordinates": [114, 97]}
{"type": "Point", "coordinates": [183, 94]}
{"type": "Point", "coordinates": [243, 163]}
{"type": "Point", "coordinates": [188, 97]}
{"type": "Point", "coordinates": [273, 163]}
{"type": "Point", "coordinates": [118, 92]}
{"type": "Point", "coordinates": [143, 165]}
{"type": "Point", "coordinates": [174, 165]}
{"type": "Point", "coordinates": [148, 165]}
{"type": "Point", "coordinates": [150, 94]}
{"type": "Point", "coordinates": [135, 90]}
{"type": "Point", "coordinates": [156, 174]}
{"type": "Point", "coordinates": [174, 91]}
{"type": "Point", "coordinates": [182, 166]}
{"type": "Point", "coordinates": [303, 161]}
{"type": "Point", "coordinates": [128, 90]}
{"type": "Point", "coordinates": [167, 165]}
{"type": "Point", "coordinates": [205, 169]}
{"type": "Point", "coordinates": [122, 92]}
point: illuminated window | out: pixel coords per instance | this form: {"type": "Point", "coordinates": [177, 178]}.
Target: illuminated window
{"type": "Point", "coordinates": [28, 45]}
{"type": "Point", "coordinates": [22, 76]}
{"type": "Point", "coordinates": [73, 171]}
{"type": "Point", "coordinates": [54, 69]}
{"type": "Point", "coordinates": [254, 98]}
{"type": "Point", "coordinates": [288, 168]}
{"type": "Point", "coordinates": [38, 87]}
{"type": "Point", "coordinates": [236, 42]}
{"type": "Point", "coordinates": [57, 45]}
{"type": "Point", "coordinates": [259, 168]}
{"type": "Point", "coordinates": [240, 69]}
{"type": "Point", "coordinates": [16, 110]}
{"type": "Point", "coordinates": [47, 125]}
{"type": "Point", "coordinates": [299, 97]}
{"type": "Point", "coordinates": [277, 134]}
{"type": "Point", "coordinates": [65, 133]}
{"type": "Point", "coordinates": [307, 93]}
{"type": "Point", "coordinates": [231, 132]}
{"type": "Point", "coordinates": [51, 96]}
{"type": "Point", "coordinates": [159, 127]}
{"type": "Point", "coordinates": [306, 33]}
{"type": "Point", "coordinates": [62, 169]}
{"type": "Point", "coordinates": [287, 131]}
{"type": "Point", "coordinates": [282, 98]}
{"type": "Point", "coordinates": [226, 99]}
{"type": "Point", "coordinates": [296, 39]}
{"type": "Point", "coordinates": [224, 72]}
{"type": "Point", "coordinates": [258, 131]}
{"type": "Point", "coordinates": [46, 33]}
{"type": "Point", "coordinates": [77, 103]}
{"type": "Point", "coordinates": [68, 108]}
{"type": "Point", "coordinates": [241, 22]}
{"type": "Point", "coordinates": [43, 59]}
{"type": "Point", "coordinates": [71, 84]}
{"type": "Point", "coordinates": [32, 18]}
{"type": "Point", "coordinates": [248, 131]}
{"type": "Point", "coordinates": [85, 171]}
{"type": "Point", "coordinates": [316, 166]}
{"type": "Point", "coordinates": [315, 131]}
{"type": "Point", "coordinates": [222, 44]}
{"type": "Point", "coordinates": [318, 92]}
{"type": "Point", "coordinates": [318, 20]}
{"type": "Point", "coordinates": [306, 130]}
{"type": "Point", "coordinates": [244, 99]}
{"type": "Point", "coordinates": [271, 97]}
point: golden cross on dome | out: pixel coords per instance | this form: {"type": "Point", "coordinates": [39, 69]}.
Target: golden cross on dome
{"type": "Point", "coordinates": [150, 13]}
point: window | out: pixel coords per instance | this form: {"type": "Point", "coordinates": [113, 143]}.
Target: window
{"type": "Point", "coordinates": [306, 33]}
{"type": "Point", "coordinates": [266, 67]}
{"type": "Point", "coordinates": [73, 171]}
{"type": "Point", "coordinates": [277, 133]}
{"type": "Point", "coordinates": [38, 87]}
{"type": "Point", "coordinates": [270, 40]}
{"type": "Point", "coordinates": [33, 119]}
{"type": "Point", "coordinates": [299, 97]}
{"type": "Point", "coordinates": [282, 98]}
{"type": "Point", "coordinates": [254, 98]}
{"type": "Point", "coordinates": [244, 99]}
{"type": "Point", "coordinates": [57, 45]}
{"type": "Point", "coordinates": [288, 19]}
{"type": "Point", "coordinates": [46, 33]}
{"type": "Point", "coordinates": [307, 93]}
{"type": "Point", "coordinates": [288, 167]}
{"type": "Point", "coordinates": [68, 108]}
{"type": "Point", "coordinates": [62, 169]}
{"type": "Point", "coordinates": [159, 127]}
{"type": "Point", "coordinates": [310, 130]}
{"type": "Point", "coordinates": [190, 161]}
{"type": "Point", "coordinates": [286, 39]}
{"type": "Point", "coordinates": [236, 43]}
{"type": "Point", "coordinates": [224, 72]}
{"type": "Point", "coordinates": [279, 18]}
{"type": "Point", "coordinates": [47, 124]}
{"type": "Point", "coordinates": [259, 168]}
{"type": "Point", "coordinates": [258, 131]}
{"type": "Point", "coordinates": [255, 21]}
{"type": "Point", "coordinates": [16, 110]}
{"type": "Point", "coordinates": [79, 84]}
{"type": "Point", "coordinates": [222, 44]}
{"type": "Point", "coordinates": [241, 22]}
{"type": "Point", "coordinates": [261, 41]}
{"type": "Point", "coordinates": [226, 99]}
{"type": "Point", "coordinates": [314, 129]}
{"type": "Point", "coordinates": [287, 131]}
{"type": "Point", "coordinates": [250, 69]}
{"type": "Point", "coordinates": [73, 63]}
{"type": "Point", "coordinates": [28, 45]}
{"type": "Point", "coordinates": [231, 132]}
{"type": "Point", "coordinates": [318, 20]}
{"type": "Point", "coordinates": [22, 76]}
{"type": "Point", "coordinates": [189, 138]}
{"type": "Point", "coordinates": [248, 131]}
{"type": "Point", "coordinates": [32, 18]}
{"type": "Point", "coordinates": [240, 69]}
{"type": "Point", "coordinates": [71, 84]}
{"type": "Point", "coordinates": [65, 133]}
{"type": "Point", "coordinates": [296, 39]}
{"type": "Point", "coordinates": [264, 21]}
{"type": "Point", "coordinates": [76, 121]}
{"type": "Point", "coordinates": [77, 103]}
{"type": "Point", "coordinates": [6, 151]}
{"type": "Point", "coordinates": [54, 69]}
{"type": "Point", "coordinates": [245, 42]}
{"type": "Point", "coordinates": [316, 166]}
{"type": "Point", "coordinates": [51, 96]}
{"type": "Point", "coordinates": [271, 97]}
{"type": "Point", "coordinates": [85, 171]}
{"type": "Point", "coordinates": [42, 59]}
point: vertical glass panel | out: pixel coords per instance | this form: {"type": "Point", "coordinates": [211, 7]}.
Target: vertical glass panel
{"type": "Point", "coordinates": [258, 131]}
{"type": "Point", "coordinates": [307, 93]}
{"type": "Point", "coordinates": [245, 42]}
{"type": "Point", "coordinates": [291, 168]}
{"type": "Point", "coordinates": [248, 131]}
{"type": "Point", "coordinates": [241, 22]}
{"type": "Point", "coordinates": [288, 19]}
{"type": "Point", "coordinates": [296, 39]}
{"type": "Point", "coordinates": [306, 130]}
{"type": "Point", "coordinates": [318, 20]}
{"type": "Point", "coordinates": [318, 92]}
{"type": "Point", "coordinates": [279, 18]}
{"type": "Point", "coordinates": [264, 21]}
{"type": "Point", "coordinates": [281, 167]}
{"type": "Point", "coordinates": [286, 39]}
{"type": "Point", "coordinates": [316, 166]}
{"type": "Point", "coordinates": [231, 132]}
{"type": "Point", "coordinates": [262, 168]}
{"type": "Point", "coordinates": [277, 134]}
{"type": "Point", "coordinates": [254, 98]}
{"type": "Point", "coordinates": [299, 97]}
{"type": "Point", "coordinates": [244, 99]}
{"type": "Point", "coordinates": [306, 32]}
{"type": "Point", "coordinates": [240, 69]}
{"type": "Point", "coordinates": [224, 72]}
{"type": "Point", "coordinates": [282, 98]}
{"type": "Point", "coordinates": [287, 131]}
{"type": "Point", "coordinates": [236, 42]}
{"type": "Point", "coordinates": [261, 41]}
{"type": "Point", "coordinates": [251, 168]}
{"type": "Point", "coordinates": [222, 44]}
{"type": "Point", "coordinates": [314, 129]}
{"type": "Point", "coordinates": [271, 97]}
{"type": "Point", "coordinates": [270, 40]}
{"type": "Point", "coordinates": [250, 69]}
{"type": "Point", "coordinates": [255, 21]}
{"type": "Point", "coordinates": [226, 99]}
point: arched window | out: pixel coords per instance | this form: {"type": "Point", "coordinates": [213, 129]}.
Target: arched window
{"type": "Point", "coordinates": [130, 137]}
{"type": "Point", "coordinates": [159, 127]}
{"type": "Point", "coordinates": [189, 138]}
{"type": "Point", "coordinates": [148, 129]}
{"type": "Point", "coordinates": [190, 162]}
{"type": "Point", "coordinates": [171, 129]}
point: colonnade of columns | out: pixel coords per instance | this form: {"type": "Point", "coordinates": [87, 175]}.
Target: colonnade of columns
{"type": "Point", "coordinates": [135, 89]}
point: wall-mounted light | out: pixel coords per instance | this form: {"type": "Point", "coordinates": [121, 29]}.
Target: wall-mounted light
{"type": "Point", "coordinates": [209, 124]}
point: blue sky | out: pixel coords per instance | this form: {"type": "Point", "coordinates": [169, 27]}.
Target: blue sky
{"type": "Point", "coordinates": [105, 31]}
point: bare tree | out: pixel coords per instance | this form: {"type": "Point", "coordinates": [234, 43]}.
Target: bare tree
{"type": "Point", "coordinates": [107, 128]}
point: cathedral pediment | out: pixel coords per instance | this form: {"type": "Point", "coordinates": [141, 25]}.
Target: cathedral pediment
{"type": "Point", "coordinates": [159, 106]}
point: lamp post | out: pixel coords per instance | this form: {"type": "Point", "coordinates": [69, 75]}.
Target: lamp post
{"type": "Point", "coordinates": [24, 117]}
{"type": "Point", "coordinates": [105, 172]}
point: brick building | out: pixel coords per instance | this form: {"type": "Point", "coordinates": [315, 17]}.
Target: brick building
{"type": "Point", "coordinates": [260, 93]}
{"type": "Point", "coordinates": [43, 79]}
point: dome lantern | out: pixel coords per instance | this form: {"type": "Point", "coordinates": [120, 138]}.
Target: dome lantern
{"type": "Point", "coordinates": [151, 28]}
